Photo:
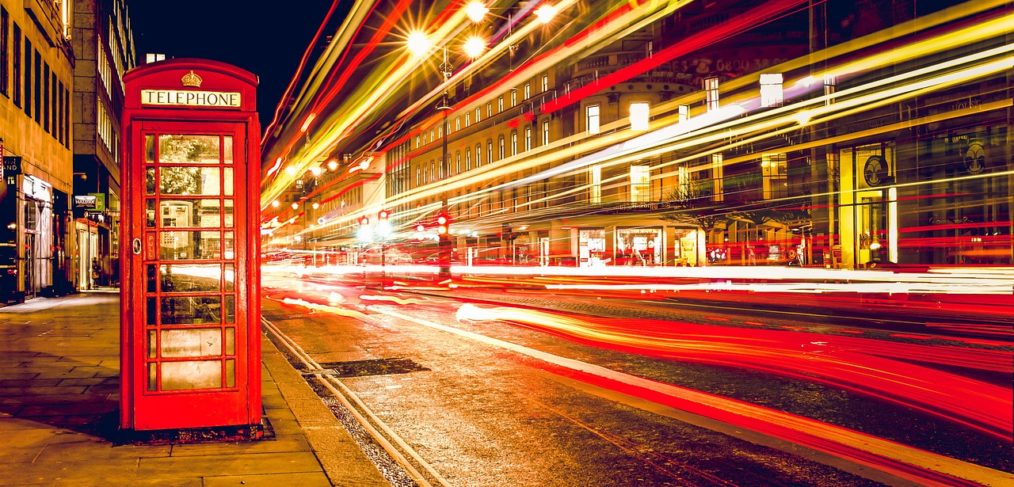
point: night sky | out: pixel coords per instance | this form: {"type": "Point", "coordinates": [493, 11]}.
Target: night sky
{"type": "Point", "coordinates": [266, 38]}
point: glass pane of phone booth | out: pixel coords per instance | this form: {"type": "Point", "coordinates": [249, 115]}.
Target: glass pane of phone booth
{"type": "Point", "coordinates": [190, 292]}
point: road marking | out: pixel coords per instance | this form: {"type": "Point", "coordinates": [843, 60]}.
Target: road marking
{"type": "Point", "coordinates": [901, 460]}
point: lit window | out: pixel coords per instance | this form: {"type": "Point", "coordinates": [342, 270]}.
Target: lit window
{"type": "Point", "coordinates": [514, 142]}
{"type": "Point", "coordinates": [418, 142]}
{"type": "Point", "coordinates": [545, 82]}
{"type": "Point", "coordinates": [771, 90]}
{"type": "Point", "coordinates": [489, 151]}
{"type": "Point", "coordinates": [639, 116]}
{"type": "Point", "coordinates": [528, 90]}
{"type": "Point", "coordinates": [775, 176]}
{"type": "Point", "coordinates": [457, 164]}
{"type": "Point", "coordinates": [499, 105]}
{"type": "Point", "coordinates": [468, 119]}
{"type": "Point", "coordinates": [478, 155]}
{"type": "Point", "coordinates": [639, 187]}
{"type": "Point", "coordinates": [545, 132]}
{"type": "Point", "coordinates": [489, 109]}
{"type": "Point", "coordinates": [595, 189]}
{"type": "Point", "coordinates": [592, 119]}
{"type": "Point", "coordinates": [478, 113]}
{"type": "Point", "coordinates": [711, 93]}
{"type": "Point", "coordinates": [468, 160]}
{"type": "Point", "coordinates": [684, 113]}
{"type": "Point", "coordinates": [514, 97]}
{"type": "Point", "coordinates": [502, 147]}
{"type": "Point", "coordinates": [528, 138]}
{"type": "Point", "coordinates": [457, 124]}
{"type": "Point", "coordinates": [718, 176]}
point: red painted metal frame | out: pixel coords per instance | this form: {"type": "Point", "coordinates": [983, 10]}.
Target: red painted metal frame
{"type": "Point", "coordinates": [141, 410]}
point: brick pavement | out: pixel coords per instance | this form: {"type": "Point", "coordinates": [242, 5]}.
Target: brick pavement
{"type": "Point", "coordinates": [59, 387]}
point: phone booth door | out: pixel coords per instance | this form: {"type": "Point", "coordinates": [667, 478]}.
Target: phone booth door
{"type": "Point", "coordinates": [193, 261]}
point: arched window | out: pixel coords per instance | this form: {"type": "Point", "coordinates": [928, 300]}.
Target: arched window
{"type": "Point", "coordinates": [478, 155]}
{"type": "Point", "coordinates": [468, 159]}
{"type": "Point", "coordinates": [514, 142]}
{"type": "Point", "coordinates": [457, 162]}
{"type": "Point", "coordinates": [502, 147]}
{"type": "Point", "coordinates": [489, 151]}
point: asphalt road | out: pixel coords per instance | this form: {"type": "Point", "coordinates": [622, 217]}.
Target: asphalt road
{"type": "Point", "coordinates": [592, 391]}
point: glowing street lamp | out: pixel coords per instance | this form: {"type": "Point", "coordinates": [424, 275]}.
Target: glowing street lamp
{"type": "Point", "coordinates": [474, 46]}
{"type": "Point", "coordinates": [295, 206]}
{"type": "Point", "coordinates": [332, 165]}
{"type": "Point", "coordinates": [418, 43]}
{"type": "Point", "coordinates": [275, 204]}
{"type": "Point", "coordinates": [316, 171]}
{"type": "Point", "coordinates": [545, 13]}
{"type": "Point", "coordinates": [315, 205]}
{"type": "Point", "coordinates": [475, 11]}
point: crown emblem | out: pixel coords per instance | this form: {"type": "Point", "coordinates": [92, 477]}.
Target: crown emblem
{"type": "Point", "coordinates": [192, 79]}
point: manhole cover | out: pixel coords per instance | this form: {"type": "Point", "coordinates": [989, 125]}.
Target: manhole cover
{"type": "Point", "coordinates": [361, 368]}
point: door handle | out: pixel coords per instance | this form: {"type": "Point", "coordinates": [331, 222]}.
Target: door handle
{"type": "Point", "coordinates": [137, 246]}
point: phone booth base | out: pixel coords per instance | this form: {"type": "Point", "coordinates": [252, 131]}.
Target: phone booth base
{"type": "Point", "coordinates": [190, 294]}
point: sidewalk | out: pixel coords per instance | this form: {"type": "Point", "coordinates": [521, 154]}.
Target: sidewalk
{"type": "Point", "coordinates": [59, 387]}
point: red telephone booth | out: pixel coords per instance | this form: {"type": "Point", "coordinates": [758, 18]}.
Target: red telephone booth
{"type": "Point", "coordinates": [190, 310]}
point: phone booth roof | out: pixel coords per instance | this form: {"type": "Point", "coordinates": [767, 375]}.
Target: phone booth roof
{"type": "Point", "coordinates": [187, 85]}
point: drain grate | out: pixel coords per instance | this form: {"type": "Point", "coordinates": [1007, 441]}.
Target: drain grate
{"type": "Point", "coordinates": [362, 368]}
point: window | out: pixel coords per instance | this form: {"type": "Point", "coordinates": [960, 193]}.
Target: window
{"type": "Point", "coordinates": [5, 23]}
{"type": "Point", "coordinates": [528, 138]}
{"type": "Point", "coordinates": [545, 132]}
{"type": "Point", "coordinates": [478, 114]}
{"type": "Point", "coordinates": [478, 155]}
{"type": "Point", "coordinates": [514, 142]}
{"type": "Point", "coordinates": [684, 113]}
{"type": "Point", "coordinates": [16, 58]}
{"type": "Point", "coordinates": [27, 84]}
{"type": "Point", "coordinates": [457, 163]}
{"type": "Point", "coordinates": [499, 105]}
{"type": "Point", "coordinates": [418, 176]}
{"type": "Point", "coordinates": [45, 97]}
{"type": "Point", "coordinates": [37, 85]}
{"type": "Point", "coordinates": [830, 86]}
{"type": "Point", "coordinates": [502, 146]}
{"type": "Point", "coordinates": [711, 93]}
{"type": "Point", "coordinates": [468, 159]}
{"type": "Point", "coordinates": [514, 97]}
{"type": "Point", "coordinates": [592, 119]}
{"type": "Point", "coordinates": [595, 186]}
{"type": "Point", "coordinates": [718, 176]}
{"type": "Point", "coordinates": [639, 116]}
{"type": "Point", "coordinates": [489, 151]}
{"type": "Point", "coordinates": [432, 138]}
{"type": "Point", "coordinates": [489, 109]}
{"type": "Point", "coordinates": [468, 119]}
{"type": "Point", "coordinates": [528, 90]}
{"type": "Point", "coordinates": [771, 90]}
{"type": "Point", "coordinates": [639, 184]}
{"type": "Point", "coordinates": [457, 124]}
{"type": "Point", "coordinates": [775, 177]}
{"type": "Point", "coordinates": [545, 83]}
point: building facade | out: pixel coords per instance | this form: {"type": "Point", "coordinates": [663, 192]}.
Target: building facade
{"type": "Point", "coordinates": [103, 42]}
{"type": "Point", "coordinates": [36, 82]}
{"type": "Point", "coordinates": [842, 135]}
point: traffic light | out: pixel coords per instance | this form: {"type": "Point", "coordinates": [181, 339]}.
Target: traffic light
{"type": "Point", "coordinates": [443, 224]}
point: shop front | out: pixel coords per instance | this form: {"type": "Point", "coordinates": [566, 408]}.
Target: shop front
{"type": "Point", "coordinates": [642, 246]}
{"type": "Point", "coordinates": [591, 247]}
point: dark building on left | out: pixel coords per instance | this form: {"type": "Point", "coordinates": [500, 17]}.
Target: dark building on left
{"type": "Point", "coordinates": [36, 130]}
{"type": "Point", "coordinates": [103, 43]}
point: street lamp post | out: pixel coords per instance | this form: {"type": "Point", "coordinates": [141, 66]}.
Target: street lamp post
{"type": "Point", "coordinates": [444, 242]}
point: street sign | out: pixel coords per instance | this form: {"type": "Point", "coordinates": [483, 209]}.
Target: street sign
{"type": "Point", "coordinates": [12, 165]}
